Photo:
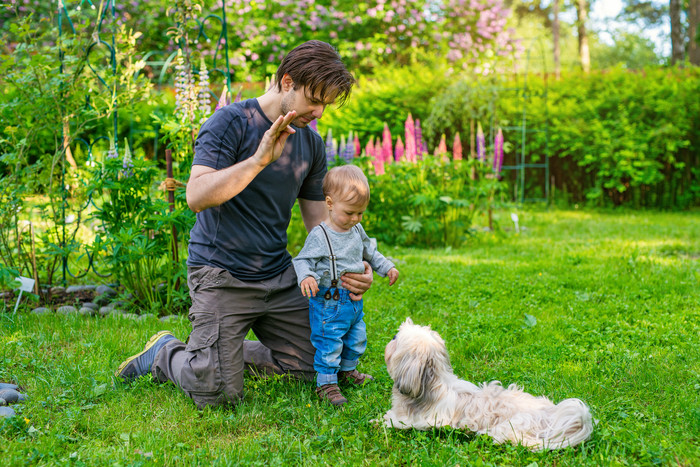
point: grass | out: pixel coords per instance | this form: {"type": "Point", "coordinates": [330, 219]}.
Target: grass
{"type": "Point", "coordinates": [600, 306]}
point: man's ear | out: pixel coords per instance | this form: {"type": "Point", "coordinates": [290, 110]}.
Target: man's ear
{"type": "Point", "coordinates": [287, 82]}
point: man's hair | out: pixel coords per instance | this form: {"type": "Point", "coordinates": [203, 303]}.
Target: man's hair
{"type": "Point", "coordinates": [346, 183]}
{"type": "Point", "coordinates": [317, 67]}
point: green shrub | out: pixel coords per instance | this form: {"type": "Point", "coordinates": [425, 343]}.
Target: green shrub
{"type": "Point", "coordinates": [615, 137]}
{"type": "Point", "coordinates": [429, 203]}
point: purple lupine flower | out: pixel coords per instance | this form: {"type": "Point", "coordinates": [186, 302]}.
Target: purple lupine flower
{"type": "Point", "coordinates": [314, 125]}
{"type": "Point", "coordinates": [480, 143]}
{"type": "Point", "coordinates": [457, 148]}
{"type": "Point", "coordinates": [399, 150]}
{"type": "Point", "coordinates": [330, 146]}
{"type": "Point", "coordinates": [112, 153]}
{"type": "Point", "coordinates": [420, 144]}
{"type": "Point", "coordinates": [239, 96]}
{"type": "Point", "coordinates": [127, 162]}
{"type": "Point", "coordinates": [386, 143]}
{"type": "Point", "coordinates": [203, 98]}
{"type": "Point", "coordinates": [498, 152]}
{"type": "Point", "coordinates": [184, 90]}
{"type": "Point", "coordinates": [410, 139]}
{"type": "Point", "coordinates": [349, 149]}
{"type": "Point", "coordinates": [341, 146]}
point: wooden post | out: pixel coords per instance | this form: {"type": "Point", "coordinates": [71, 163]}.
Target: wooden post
{"type": "Point", "coordinates": [171, 202]}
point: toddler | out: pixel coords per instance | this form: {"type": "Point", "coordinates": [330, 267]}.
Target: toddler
{"type": "Point", "coordinates": [336, 246]}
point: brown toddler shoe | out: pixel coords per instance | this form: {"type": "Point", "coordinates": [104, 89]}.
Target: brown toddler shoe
{"type": "Point", "coordinates": [331, 393]}
{"type": "Point", "coordinates": [354, 377]}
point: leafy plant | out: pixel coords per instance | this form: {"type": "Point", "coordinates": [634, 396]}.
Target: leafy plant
{"type": "Point", "coordinates": [137, 241]}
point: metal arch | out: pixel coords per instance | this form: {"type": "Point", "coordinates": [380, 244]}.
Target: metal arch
{"type": "Point", "coordinates": [64, 17]}
{"type": "Point", "coordinates": [87, 58]}
{"type": "Point", "coordinates": [524, 93]}
{"type": "Point", "coordinates": [99, 42]}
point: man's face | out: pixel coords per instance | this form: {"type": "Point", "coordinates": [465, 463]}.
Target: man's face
{"type": "Point", "coordinates": [308, 107]}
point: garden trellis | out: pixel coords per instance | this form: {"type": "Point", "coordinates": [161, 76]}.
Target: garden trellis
{"type": "Point", "coordinates": [212, 30]}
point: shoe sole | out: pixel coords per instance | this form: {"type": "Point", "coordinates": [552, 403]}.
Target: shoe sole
{"type": "Point", "coordinates": [151, 342]}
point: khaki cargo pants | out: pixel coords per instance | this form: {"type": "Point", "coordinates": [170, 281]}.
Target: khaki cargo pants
{"type": "Point", "coordinates": [209, 367]}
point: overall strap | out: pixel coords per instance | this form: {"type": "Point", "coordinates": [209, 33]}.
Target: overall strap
{"type": "Point", "coordinates": [334, 267]}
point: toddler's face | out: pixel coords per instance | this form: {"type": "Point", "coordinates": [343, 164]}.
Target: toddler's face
{"type": "Point", "coordinates": [343, 215]}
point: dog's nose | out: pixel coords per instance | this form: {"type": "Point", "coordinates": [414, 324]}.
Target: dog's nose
{"type": "Point", "coordinates": [394, 338]}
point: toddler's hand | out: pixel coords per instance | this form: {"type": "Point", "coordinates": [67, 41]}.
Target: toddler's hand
{"type": "Point", "coordinates": [393, 274]}
{"type": "Point", "coordinates": [309, 287]}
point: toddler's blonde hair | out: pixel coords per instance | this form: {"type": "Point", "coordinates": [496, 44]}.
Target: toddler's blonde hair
{"type": "Point", "coordinates": [346, 183]}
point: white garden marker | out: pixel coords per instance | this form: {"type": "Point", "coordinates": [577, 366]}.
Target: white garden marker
{"type": "Point", "coordinates": [27, 285]}
{"type": "Point", "coordinates": [514, 217]}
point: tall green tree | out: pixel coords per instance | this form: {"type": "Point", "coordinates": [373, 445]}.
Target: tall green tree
{"type": "Point", "coordinates": [694, 32]}
{"type": "Point", "coordinates": [582, 9]}
{"type": "Point", "coordinates": [556, 37]}
{"type": "Point", "coordinates": [674, 7]}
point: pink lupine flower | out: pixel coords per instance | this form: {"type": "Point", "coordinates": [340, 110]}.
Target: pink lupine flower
{"type": "Point", "coordinates": [378, 167]}
{"type": "Point", "coordinates": [498, 152]}
{"type": "Point", "coordinates": [222, 99]}
{"type": "Point", "coordinates": [420, 144]}
{"type": "Point", "coordinates": [386, 143]}
{"type": "Point", "coordinates": [480, 143]}
{"type": "Point", "coordinates": [398, 151]}
{"type": "Point", "coordinates": [457, 148]}
{"type": "Point", "coordinates": [410, 139]}
{"type": "Point", "coordinates": [442, 148]}
{"type": "Point", "coordinates": [358, 148]}
{"type": "Point", "coordinates": [369, 148]}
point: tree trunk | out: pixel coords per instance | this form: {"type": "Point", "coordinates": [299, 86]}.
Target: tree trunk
{"type": "Point", "coordinates": [693, 23]}
{"type": "Point", "coordinates": [555, 35]}
{"type": "Point", "coordinates": [581, 21]}
{"type": "Point", "coordinates": [676, 32]}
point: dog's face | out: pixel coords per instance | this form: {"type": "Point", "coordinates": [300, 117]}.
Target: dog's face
{"type": "Point", "coordinates": [415, 359]}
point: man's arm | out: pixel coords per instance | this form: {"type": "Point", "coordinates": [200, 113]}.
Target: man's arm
{"type": "Point", "coordinates": [208, 187]}
{"type": "Point", "coordinates": [312, 212]}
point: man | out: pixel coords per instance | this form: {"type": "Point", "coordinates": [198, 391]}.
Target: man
{"type": "Point", "coordinates": [252, 160]}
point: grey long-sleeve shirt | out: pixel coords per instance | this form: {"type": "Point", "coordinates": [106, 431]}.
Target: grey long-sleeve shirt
{"type": "Point", "coordinates": [350, 249]}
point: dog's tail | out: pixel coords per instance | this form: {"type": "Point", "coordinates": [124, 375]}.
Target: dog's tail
{"type": "Point", "coordinates": [568, 423]}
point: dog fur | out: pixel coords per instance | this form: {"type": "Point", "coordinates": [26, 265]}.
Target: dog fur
{"type": "Point", "coordinates": [427, 394]}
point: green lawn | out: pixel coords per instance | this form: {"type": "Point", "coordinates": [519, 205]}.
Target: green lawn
{"type": "Point", "coordinates": [600, 306]}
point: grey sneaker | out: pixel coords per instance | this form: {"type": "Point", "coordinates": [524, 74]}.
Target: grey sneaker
{"type": "Point", "coordinates": [141, 363]}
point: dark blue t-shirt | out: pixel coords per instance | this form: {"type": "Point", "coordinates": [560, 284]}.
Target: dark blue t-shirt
{"type": "Point", "coordinates": [247, 235]}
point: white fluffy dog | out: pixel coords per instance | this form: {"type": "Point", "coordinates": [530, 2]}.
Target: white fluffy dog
{"type": "Point", "coordinates": [427, 394]}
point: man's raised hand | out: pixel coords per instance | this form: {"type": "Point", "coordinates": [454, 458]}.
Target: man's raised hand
{"type": "Point", "coordinates": [272, 143]}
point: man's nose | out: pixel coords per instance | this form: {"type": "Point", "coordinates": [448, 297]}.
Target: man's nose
{"type": "Point", "coordinates": [317, 112]}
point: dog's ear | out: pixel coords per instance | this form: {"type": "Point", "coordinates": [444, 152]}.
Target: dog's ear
{"type": "Point", "coordinates": [414, 377]}
{"type": "Point", "coordinates": [408, 321]}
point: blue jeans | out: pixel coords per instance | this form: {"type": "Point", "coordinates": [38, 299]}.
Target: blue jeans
{"type": "Point", "coordinates": [338, 333]}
